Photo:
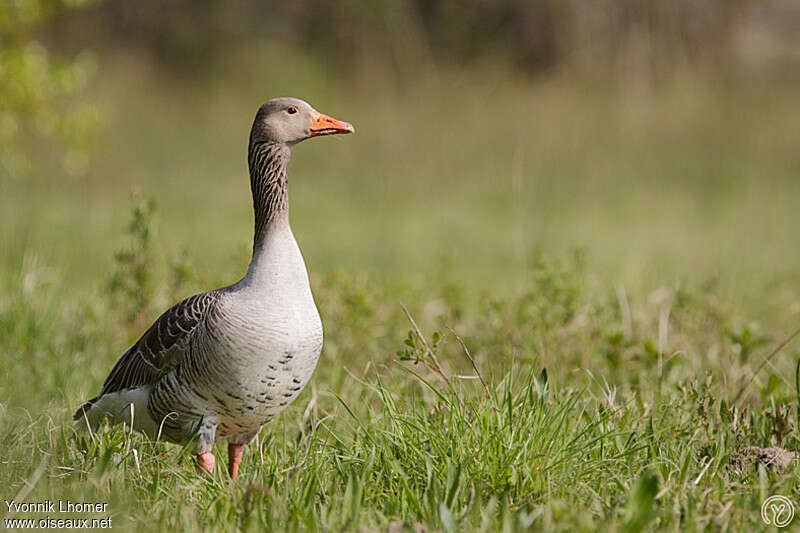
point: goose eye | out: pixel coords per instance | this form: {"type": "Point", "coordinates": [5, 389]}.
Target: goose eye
{"type": "Point", "coordinates": [291, 110]}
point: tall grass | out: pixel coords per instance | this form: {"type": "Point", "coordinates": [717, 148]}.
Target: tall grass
{"type": "Point", "coordinates": [576, 427]}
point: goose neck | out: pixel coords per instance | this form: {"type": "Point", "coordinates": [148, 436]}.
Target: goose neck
{"type": "Point", "coordinates": [269, 184]}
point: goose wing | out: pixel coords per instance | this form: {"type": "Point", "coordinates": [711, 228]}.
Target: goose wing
{"type": "Point", "coordinates": [160, 349]}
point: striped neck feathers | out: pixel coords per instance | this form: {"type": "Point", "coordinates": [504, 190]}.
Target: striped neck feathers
{"type": "Point", "coordinates": [269, 184]}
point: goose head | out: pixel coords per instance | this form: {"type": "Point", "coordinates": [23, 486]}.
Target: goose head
{"type": "Point", "coordinates": [291, 120]}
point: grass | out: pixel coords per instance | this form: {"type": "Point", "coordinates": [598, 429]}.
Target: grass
{"type": "Point", "coordinates": [617, 267]}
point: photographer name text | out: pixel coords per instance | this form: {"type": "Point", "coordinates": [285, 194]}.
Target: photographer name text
{"type": "Point", "coordinates": [54, 507]}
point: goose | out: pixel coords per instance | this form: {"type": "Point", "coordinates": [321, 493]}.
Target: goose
{"type": "Point", "coordinates": [217, 366]}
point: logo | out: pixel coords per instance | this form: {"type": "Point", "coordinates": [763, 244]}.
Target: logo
{"type": "Point", "coordinates": [777, 511]}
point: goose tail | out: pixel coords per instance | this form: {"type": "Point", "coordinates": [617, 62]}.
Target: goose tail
{"type": "Point", "coordinates": [128, 406]}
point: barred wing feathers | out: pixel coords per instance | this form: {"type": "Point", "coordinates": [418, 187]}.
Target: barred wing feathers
{"type": "Point", "coordinates": [159, 350]}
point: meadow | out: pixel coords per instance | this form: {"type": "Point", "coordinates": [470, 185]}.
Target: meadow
{"type": "Point", "coordinates": [599, 284]}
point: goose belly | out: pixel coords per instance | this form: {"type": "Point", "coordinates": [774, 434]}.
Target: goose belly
{"type": "Point", "coordinates": [268, 363]}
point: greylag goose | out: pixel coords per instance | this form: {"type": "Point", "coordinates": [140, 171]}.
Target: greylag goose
{"type": "Point", "coordinates": [218, 365]}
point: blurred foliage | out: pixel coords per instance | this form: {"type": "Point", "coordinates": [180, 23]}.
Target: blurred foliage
{"type": "Point", "coordinates": [37, 90]}
{"type": "Point", "coordinates": [131, 281]}
{"type": "Point", "coordinates": [608, 36]}
{"type": "Point", "coordinates": [627, 39]}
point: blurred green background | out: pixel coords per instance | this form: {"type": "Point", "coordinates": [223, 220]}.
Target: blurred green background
{"type": "Point", "coordinates": [663, 138]}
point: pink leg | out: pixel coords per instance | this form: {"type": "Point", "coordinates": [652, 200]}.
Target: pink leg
{"type": "Point", "coordinates": [205, 463]}
{"type": "Point", "coordinates": [234, 458]}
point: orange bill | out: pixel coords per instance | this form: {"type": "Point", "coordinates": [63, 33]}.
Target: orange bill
{"type": "Point", "coordinates": [325, 125]}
